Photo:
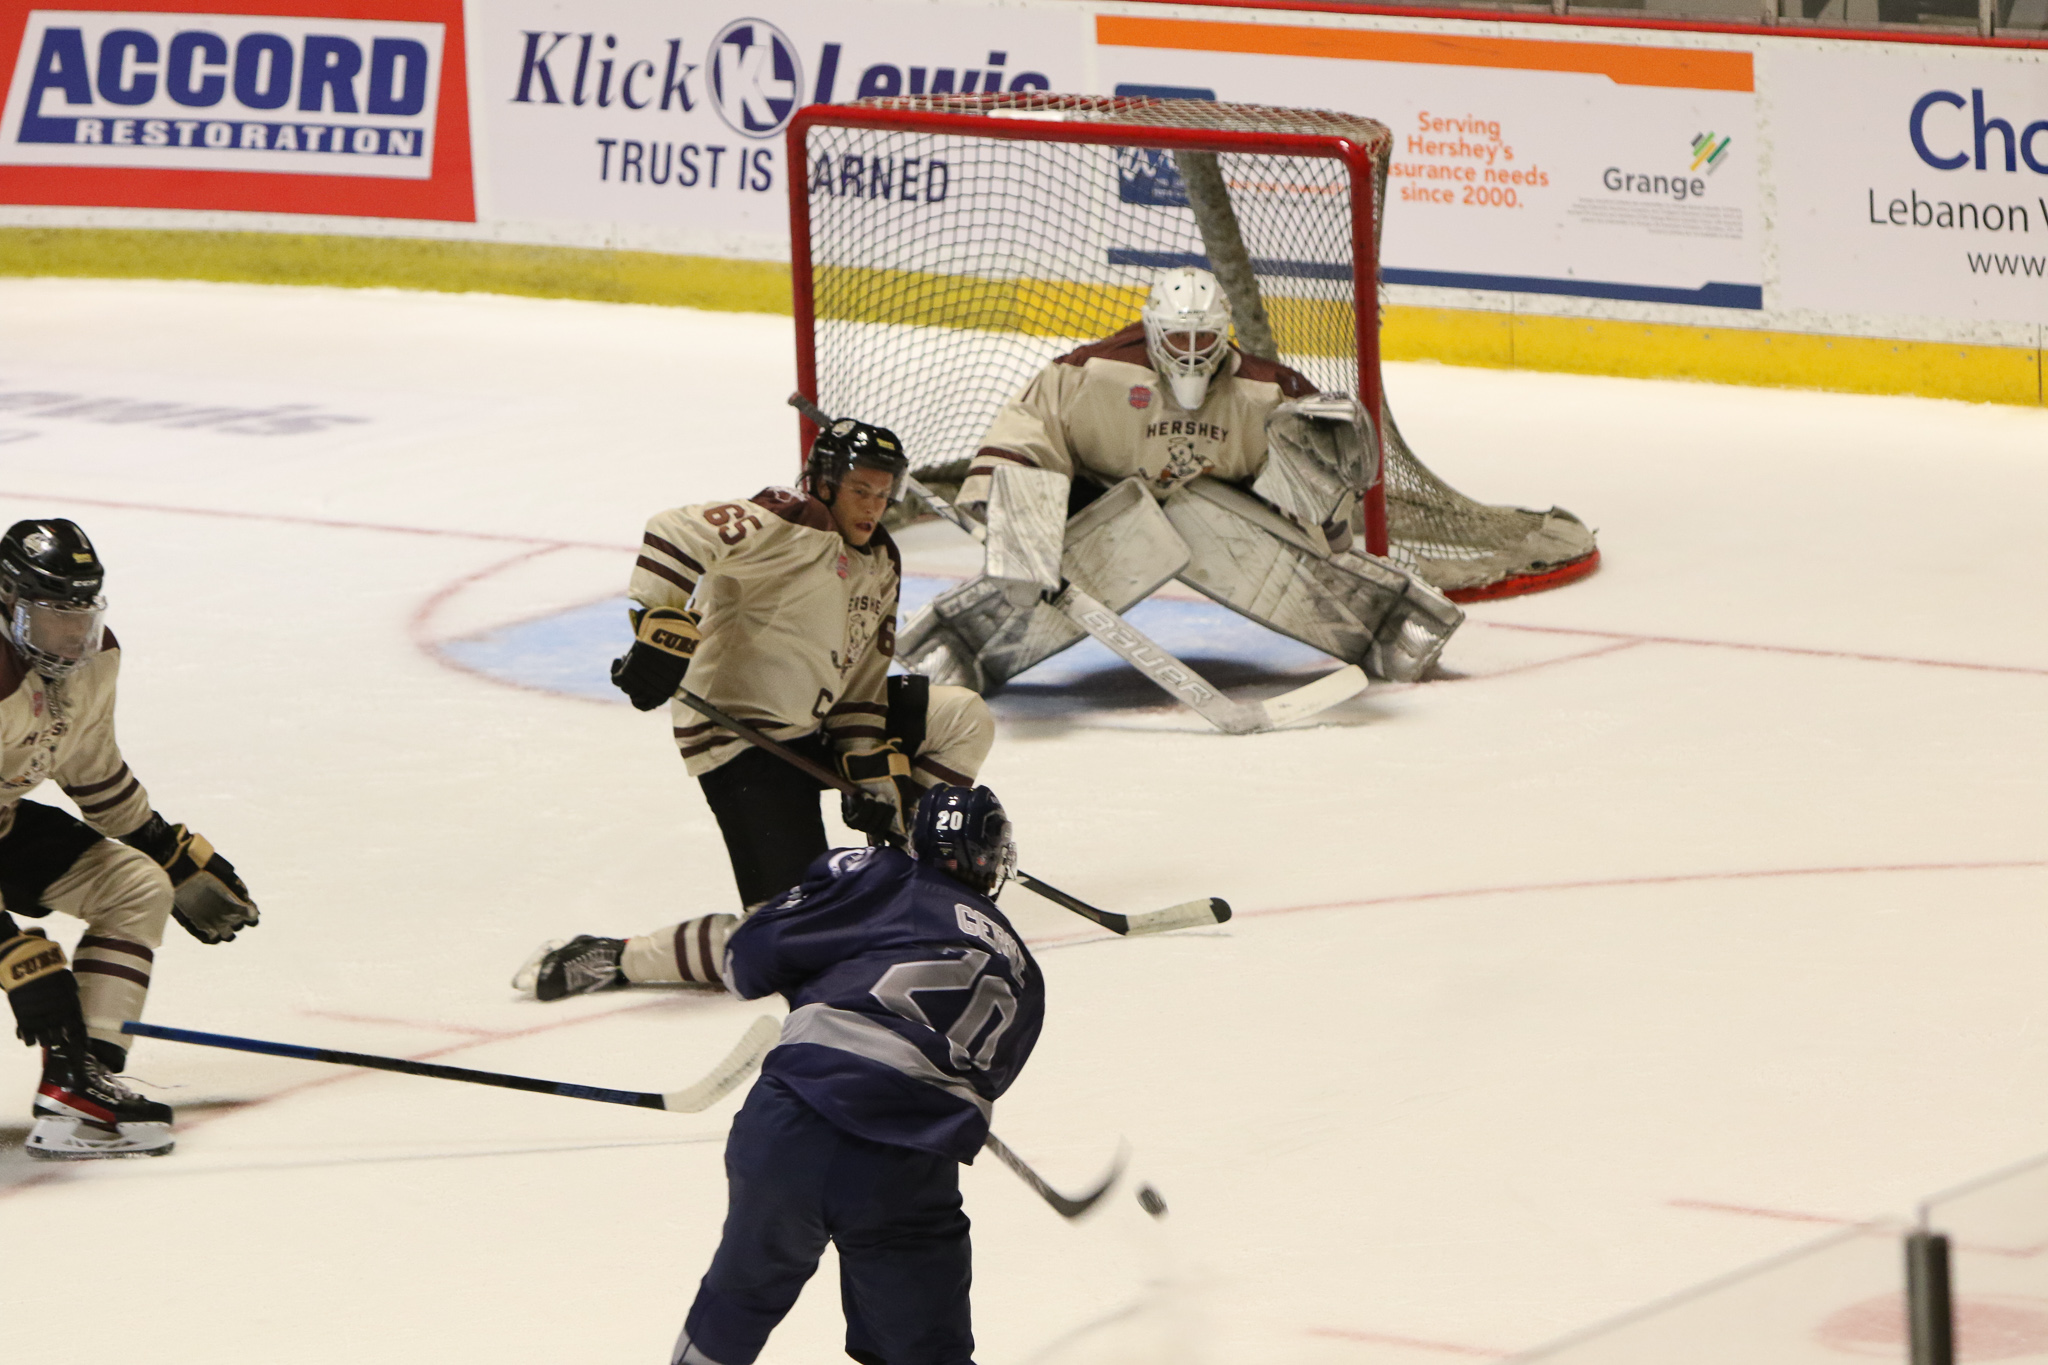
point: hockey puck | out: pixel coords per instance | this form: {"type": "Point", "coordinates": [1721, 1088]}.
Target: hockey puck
{"type": "Point", "coordinates": [1149, 1200]}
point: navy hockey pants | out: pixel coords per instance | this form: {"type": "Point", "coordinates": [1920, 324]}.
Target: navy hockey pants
{"type": "Point", "coordinates": [794, 1182]}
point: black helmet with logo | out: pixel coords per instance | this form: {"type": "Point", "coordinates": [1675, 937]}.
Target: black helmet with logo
{"type": "Point", "coordinates": [50, 581]}
{"type": "Point", "coordinates": [848, 445]}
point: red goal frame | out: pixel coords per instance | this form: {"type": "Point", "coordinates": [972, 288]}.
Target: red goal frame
{"type": "Point", "coordinates": [970, 115]}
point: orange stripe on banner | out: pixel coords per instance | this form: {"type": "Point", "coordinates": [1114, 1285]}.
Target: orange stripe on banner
{"type": "Point", "coordinates": [1677, 68]}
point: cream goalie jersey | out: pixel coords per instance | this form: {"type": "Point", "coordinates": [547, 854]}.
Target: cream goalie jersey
{"type": "Point", "coordinates": [1103, 411]}
{"type": "Point", "coordinates": [799, 626]}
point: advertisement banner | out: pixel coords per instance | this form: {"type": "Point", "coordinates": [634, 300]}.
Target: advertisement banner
{"type": "Point", "coordinates": [1929, 195]}
{"type": "Point", "coordinates": [672, 118]}
{"type": "Point", "coordinates": [1595, 170]}
{"type": "Point", "coordinates": [305, 106]}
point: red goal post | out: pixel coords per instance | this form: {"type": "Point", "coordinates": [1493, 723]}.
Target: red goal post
{"type": "Point", "coordinates": [945, 248]}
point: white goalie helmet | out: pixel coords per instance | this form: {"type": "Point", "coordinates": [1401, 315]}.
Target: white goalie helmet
{"type": "Point", "coordinates": [1187, 331]}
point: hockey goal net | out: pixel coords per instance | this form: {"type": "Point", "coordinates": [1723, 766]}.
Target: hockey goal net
{"type": "Point", "coordinates": [946, 248]}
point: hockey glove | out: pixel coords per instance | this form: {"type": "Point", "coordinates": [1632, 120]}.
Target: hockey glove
{"type": "Point", "coordinates": [878, 810]}
{"type": "Point", "coordinates": [43, 993]}
{"type": "Point", "coordinates": [208, 898]}
{"type": "Point", "coordinates": [663, 641]}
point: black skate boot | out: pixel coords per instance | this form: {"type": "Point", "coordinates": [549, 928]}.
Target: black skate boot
{"type": "Point", "coordinates": [88, 1114]}
{"type": "Point", "coordinates": [583, 964]}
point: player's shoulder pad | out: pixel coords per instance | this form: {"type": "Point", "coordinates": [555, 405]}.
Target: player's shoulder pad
{"type": "Point", "coordinates": [1293, 384]}
{"type": "Point", "coordinates": [1127, 346]}
{"type": "Point", "coordinates": [798, 509]}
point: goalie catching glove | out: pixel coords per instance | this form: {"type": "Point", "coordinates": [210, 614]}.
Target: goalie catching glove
{"type": "Point", "coordinates": [208, 898]}
{"type": "Point", "coordinates": [42, 992]}
{"type": "Point", "coordinates": [877, 810]}
{"type": "Point", "coordinates": [663, 641]}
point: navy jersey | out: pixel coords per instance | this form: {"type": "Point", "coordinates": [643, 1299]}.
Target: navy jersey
{"type": "Point", "coordinates": [913, 1004]}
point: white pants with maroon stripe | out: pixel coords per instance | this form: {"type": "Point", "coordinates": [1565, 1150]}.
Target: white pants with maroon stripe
{"type": "Point", "coordinates": [125, 900]}
{"type": "Point", "coordinates": [959, 732]}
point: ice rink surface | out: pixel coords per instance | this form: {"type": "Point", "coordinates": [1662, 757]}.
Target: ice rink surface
{"type": "Point", "coordinates": [1697, 911]}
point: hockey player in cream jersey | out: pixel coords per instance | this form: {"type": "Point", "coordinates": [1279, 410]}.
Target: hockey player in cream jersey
{"type": "Point", "coordinates": [792, 630]}
{"type": "Point", "coordinates": [1164, 451]}
{"type": "Point", "coordinates": [123, 870]}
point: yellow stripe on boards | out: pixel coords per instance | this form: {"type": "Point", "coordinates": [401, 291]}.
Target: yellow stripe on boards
{"type": "Point", "coordinates": [1726, 355]}
{"type": "Point", "coordinates": [1452, 336]}
{"type": "Point", "coordinates": [399, 263]}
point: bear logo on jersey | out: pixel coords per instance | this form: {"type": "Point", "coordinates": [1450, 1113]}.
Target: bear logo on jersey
{"type": "Point", "coordinates": [1182, 464]}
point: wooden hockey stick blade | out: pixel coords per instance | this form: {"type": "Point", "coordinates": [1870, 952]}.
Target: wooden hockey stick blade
{"type": "Point", "coordinates": [1065, 1206]}
{"type": "Point", "coordinates": [760, 1036]}
{"type": "Point", "coordinates": [1186, 915]}
{"type": "Point", "coordinates": [1310, 698]}
{"type": "Point", "coordinates": [638, 1099]}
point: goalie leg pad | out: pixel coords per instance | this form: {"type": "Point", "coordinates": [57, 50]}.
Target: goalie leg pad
{"type": "Point", "coordinates": [1027, 513]}
{"type": "Point", "coordinates": [1352, 606]}
{"type": "Point", "coordinates": [1119, 549]}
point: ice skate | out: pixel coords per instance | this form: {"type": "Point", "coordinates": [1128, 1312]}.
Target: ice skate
{"type": "Point", "coordinates": [94, 1116]}
{"type": "Point", "coordinates": [582, 964]}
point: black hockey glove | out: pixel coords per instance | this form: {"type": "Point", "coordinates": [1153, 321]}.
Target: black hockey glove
{"type": "Point", "coordinates": [663, 641]}
{"type": "Point", "coordinates": [876, 819]}
{"type": "Point", "coordinates": [43, 994]}
{"type": "Point", "coordinates": [208, 898]}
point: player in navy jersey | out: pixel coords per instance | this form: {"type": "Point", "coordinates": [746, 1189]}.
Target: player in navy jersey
{"type": "Point", "coordinates": [913, 1006]}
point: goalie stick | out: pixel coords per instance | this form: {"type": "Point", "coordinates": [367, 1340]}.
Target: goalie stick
{"type": "Point", "coordinates": [738, 1064]}
{"type": "Point", "coordinates": [1141, 652]}
{"type": "Point", "coordinates": [1208, 910]}
{"type": "Point", "coordinates": [1066, 1206]}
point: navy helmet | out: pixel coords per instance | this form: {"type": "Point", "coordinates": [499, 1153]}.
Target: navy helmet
{"type": "Point", "coordinates": [847, 445]}
{"type": "Point", "coordinates": [964, 833]}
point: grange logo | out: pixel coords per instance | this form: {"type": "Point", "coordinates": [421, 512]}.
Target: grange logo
{"type": "Point", "coordinates": [219, 92]}
{"type": "Point", "coordinates": [1709, 151]}
{"type": "Point", "coordinates": [756, 79]}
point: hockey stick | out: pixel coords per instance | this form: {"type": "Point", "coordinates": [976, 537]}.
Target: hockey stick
{"type": "Point", "coordinates": [752, 1047]}
{"type": "Point", "coordinates": [1209, 910]}
{"type": "Point", "coordinates": [1065, 1206]}
{"type": "Point", "coordinates": [1141, 652]}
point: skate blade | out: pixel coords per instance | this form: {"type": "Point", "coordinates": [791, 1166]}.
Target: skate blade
{"type": "Point", "coordinates": [68, 1139]}
{"type": "Point", "coordinates": [527, 978]}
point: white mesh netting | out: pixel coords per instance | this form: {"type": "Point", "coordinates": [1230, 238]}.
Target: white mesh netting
{"type": "Point", "coordinates": [947, 269]}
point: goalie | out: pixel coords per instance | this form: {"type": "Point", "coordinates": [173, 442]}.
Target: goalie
{"type": "Point", "coordinates": [1161, 452]}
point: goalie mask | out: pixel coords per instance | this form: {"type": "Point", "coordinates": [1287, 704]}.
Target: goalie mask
{"type": "Point", "coordinates": [1187, 332]}
{"type": "Point", "coordinates": [848, 445]}
{"type": "Point", "coordinates": [50, 579]}
{"type": "Point", "coordinates": [964, 833]}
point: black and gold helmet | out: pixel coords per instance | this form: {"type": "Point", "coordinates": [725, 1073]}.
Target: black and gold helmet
{"type": "Point", "coordinates": [848, 445]}
{"type": "Point", "coordinates": [50, 581]}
